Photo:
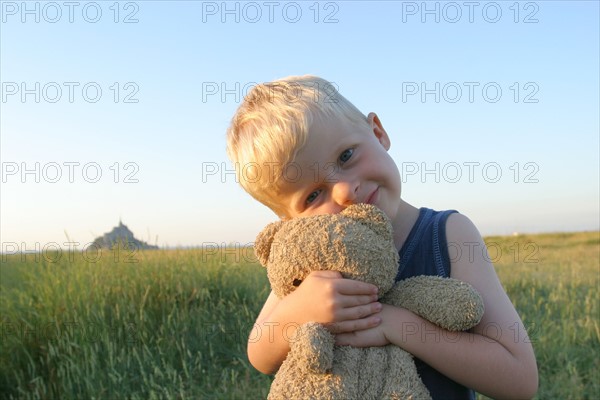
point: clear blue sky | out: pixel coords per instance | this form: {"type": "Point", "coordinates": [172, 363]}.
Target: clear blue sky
{"type": "Point", "coordinates": [514, 133]}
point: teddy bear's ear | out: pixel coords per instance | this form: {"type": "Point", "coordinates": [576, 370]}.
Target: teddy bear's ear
{"type": "Point", "coordinates": [364, 211]}
{"type": "Point", "coordinates": [371, 216]}
{"type": "Point", "coordinates": [264, 240]}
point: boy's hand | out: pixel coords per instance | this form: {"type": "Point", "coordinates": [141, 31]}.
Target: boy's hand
{"type": "Point", "coordinates": [372, 337]}
{"type": "Point", "coordinates": [342, 305]}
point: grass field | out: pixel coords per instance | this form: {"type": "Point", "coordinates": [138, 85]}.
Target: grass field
{"type": "Point", "coordinates": [174, 323]}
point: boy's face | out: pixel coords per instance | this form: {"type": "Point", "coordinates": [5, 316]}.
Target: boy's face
{"type": "Point", "coordinates": [342, 163]}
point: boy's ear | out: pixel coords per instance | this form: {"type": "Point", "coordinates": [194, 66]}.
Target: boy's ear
{"type": "Point", "coordinates": [264, 240]}
{"type": "Point", "coordinates": [378, 130]}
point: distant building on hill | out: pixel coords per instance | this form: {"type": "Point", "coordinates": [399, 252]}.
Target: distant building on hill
{"type": "Point", "coordinates": [121, 235]}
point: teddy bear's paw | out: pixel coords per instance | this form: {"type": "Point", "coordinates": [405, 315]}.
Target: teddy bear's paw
{"type": "Point", "coordinates": [447, 302]}
{"type": "Point", "coordinates": [402, 379]}
{"type": "Point", "coordinates": [313, 346]}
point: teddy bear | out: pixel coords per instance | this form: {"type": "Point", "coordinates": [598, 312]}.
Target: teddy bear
{"type": "Point", "coordinates": [358, 243]}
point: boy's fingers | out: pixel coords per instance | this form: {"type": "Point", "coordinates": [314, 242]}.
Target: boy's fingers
{"type": "Point", "coordinates": [353, 325]}
{"type": "Point", "coordinates": [352, 287]}
{"type": "Point", "coordinates": [346, 286]}
{"type": "Point", "coordinates": [356, 313]}
{"type": "Point", "coordinates": [359, 300]}
{"type": "Point", "coordinates": [326, 274]}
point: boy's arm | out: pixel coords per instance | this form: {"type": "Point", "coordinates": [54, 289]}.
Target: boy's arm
{"type": "Point", "coordinates": [496, 358]}
{"type": "Point", "coordinates": [343, 305]}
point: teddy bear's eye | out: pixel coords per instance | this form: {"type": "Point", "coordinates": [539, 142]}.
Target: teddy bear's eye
{"type": "Point", "coordinates": [297, 282]}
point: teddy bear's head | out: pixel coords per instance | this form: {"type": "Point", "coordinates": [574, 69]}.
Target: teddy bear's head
{"type": "Point", "coordinates": [357, 242]}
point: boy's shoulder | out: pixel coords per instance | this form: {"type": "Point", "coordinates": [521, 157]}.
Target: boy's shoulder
{"type": "Point", "coordinates": [470, 262]}
{"type": "Point", "coordinates": [461, 230]}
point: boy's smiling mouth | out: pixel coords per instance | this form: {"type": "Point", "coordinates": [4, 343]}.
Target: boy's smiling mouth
{"type": "Point", "coordinates": [372, 197]}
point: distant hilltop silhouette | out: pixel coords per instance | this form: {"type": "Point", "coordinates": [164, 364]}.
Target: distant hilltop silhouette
{"type": "Point", "coordinates": [121, 235]}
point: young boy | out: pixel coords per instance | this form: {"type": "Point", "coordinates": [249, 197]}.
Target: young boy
{"type": "Point", "coordinates": [303, 149]}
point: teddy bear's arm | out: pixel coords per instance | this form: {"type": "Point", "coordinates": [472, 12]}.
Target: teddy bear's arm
{"type": "Point", "coordinates": [314, 370]}
{"type": "Point", "coordinates": [448, 303]}
{"type": "Point", "coordinates": [312, 348]}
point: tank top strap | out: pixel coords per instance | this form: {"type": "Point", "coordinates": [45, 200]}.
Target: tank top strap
{"type": "Point", "coordinates": [425, 251]}
{"type": "Point", "coordinates": [416, 234]}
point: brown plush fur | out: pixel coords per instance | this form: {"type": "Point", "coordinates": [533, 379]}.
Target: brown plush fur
{"type": "Point", "coordinates": [358, 243]}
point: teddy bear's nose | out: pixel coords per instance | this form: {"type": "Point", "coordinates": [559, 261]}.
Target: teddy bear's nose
{"type": "Point", "coordinates": [297, 282]}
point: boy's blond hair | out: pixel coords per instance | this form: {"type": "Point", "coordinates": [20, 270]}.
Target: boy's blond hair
{"type": "Point", "coordinates": [271, 126]}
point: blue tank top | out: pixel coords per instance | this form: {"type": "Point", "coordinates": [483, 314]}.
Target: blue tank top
{"type": "Point", "coordinates": [425, 252]}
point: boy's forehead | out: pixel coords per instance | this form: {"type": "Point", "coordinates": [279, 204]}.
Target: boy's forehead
{"type": "Point", "coordinates": [326, 133]}
{"type": "Point", "coordinates": [323, 124]}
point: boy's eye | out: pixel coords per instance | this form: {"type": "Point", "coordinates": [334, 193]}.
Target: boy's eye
{"type": "Point", "coordinates": [346, 154]}
{"type": "Point", "coordinates": [312, 197]}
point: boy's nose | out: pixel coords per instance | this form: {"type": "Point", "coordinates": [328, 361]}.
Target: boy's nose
{"type": "Point", "coordinates": [344, 192]}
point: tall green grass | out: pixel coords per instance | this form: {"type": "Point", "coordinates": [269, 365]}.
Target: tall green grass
{"type": "Point", "coordinates": [171, 325]}
{"type": "Point", "coordinates": [553, 281]}
{"type": "Point", "coordinates": [174, 323]}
